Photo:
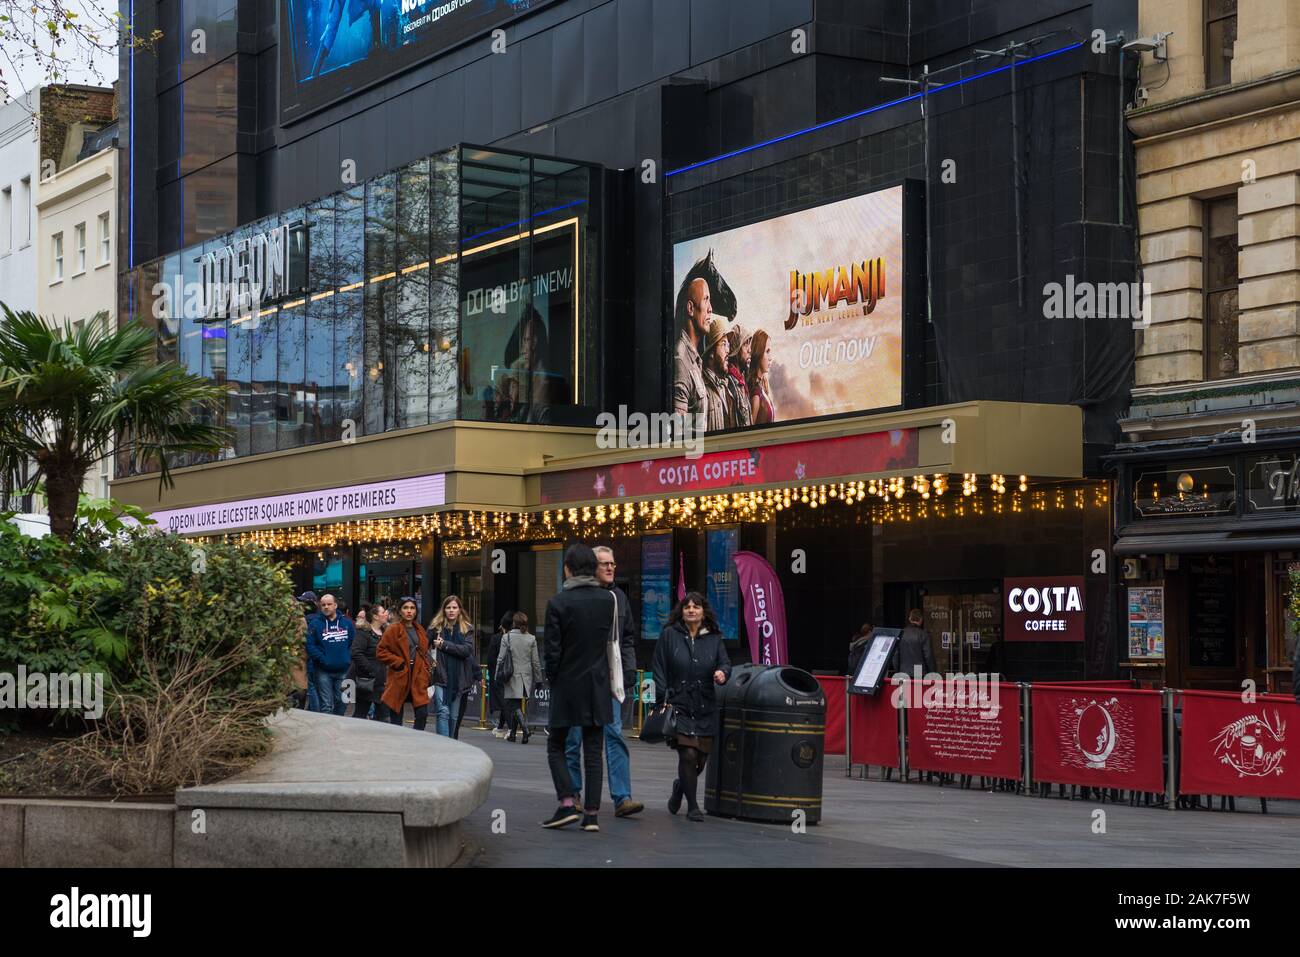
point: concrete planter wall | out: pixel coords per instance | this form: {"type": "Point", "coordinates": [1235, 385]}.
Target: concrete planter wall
{"type": "Point", "coordinates": [334, 792]}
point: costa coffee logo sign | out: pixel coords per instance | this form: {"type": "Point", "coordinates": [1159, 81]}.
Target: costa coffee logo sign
{"type": "Point", "coordinates": [1043, 609]}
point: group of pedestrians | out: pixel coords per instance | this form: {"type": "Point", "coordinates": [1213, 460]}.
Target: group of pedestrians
{"type": "Point", "coordinates": [391, 660]}
{"type": "Point", "coordinates": [587, 657]}
{"type": "Point", "coordinates": [588, 641]}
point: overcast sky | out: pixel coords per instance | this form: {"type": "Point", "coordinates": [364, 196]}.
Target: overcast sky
{"type": "Point", "coordinates": [22, 71]}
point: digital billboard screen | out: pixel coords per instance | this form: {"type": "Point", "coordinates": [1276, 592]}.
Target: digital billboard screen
{"type": "Point", "coordinates": [792, 318]}
{"type": "Point", "coordinates": [333, 48]}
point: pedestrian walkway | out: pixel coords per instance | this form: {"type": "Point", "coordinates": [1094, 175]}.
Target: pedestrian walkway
{"type": "Point", "coordinates": [864, 824]}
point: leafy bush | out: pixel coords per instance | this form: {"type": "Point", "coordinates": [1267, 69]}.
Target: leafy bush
{"type": "Point", "coordinates": [56, 605]}
{"type": "Point", "coordinates": [226, 603]}
{"type": "Point", "coordinates": [196, 645]}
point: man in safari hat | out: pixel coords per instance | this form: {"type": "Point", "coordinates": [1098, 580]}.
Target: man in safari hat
{"type": "Point", "coordinates": [739, 341]}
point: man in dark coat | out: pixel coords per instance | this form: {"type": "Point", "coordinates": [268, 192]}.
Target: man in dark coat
{"type": "Point", "coordinates": [579, 627]}
{"type": "Point", "coordinates": [617, 754]}
{"type": "Point", "coordinates": [913, 649]}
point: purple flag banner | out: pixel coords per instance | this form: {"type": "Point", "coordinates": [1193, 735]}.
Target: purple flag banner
{"type": "Point", "coordinates": [764, 609]}
{"type": "Point", "coordinates": [681, 576]}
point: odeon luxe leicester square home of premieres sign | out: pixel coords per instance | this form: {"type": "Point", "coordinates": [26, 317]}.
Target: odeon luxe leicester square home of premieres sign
{"type": "Point", "coordinates": [323, 505]}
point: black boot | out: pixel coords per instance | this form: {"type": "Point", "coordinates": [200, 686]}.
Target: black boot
{"type": "Point", "coordinates": [675, 802]}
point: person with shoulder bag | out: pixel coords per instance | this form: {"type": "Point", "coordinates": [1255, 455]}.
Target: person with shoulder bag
{"type": "Point", "coordinates": [690, 660]}
{"type": "Point", "coordinates": [617, 755]}
{"type": "Point", "coordinates": [452, 637]}
{"type": "Point", "coordinates": [405, 652]}
{"type": "Point", "coordinates": [367, 670]}
{"type": "Point", "coordinates": [518, 670]}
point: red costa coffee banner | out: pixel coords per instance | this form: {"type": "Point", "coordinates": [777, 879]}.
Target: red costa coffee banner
{"type": "Point", "coordinates": [793, 462]}
{"type": "Point", "coordinates": [873, 729]}
{"type": "Point", "coordinates": [1043, 609]}
{"type": "Point", "coordinates": [1098, 737]}
{"type": "Point", "coordinates": [833, 686]}
{"type": "Point", "coordinates": [1236, 748]}
{"type": "Point", "coordinates": [965, 738]}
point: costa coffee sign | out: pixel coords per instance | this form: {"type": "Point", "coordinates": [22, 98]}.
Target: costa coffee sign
{"type": "Point", "coordinates": [1043, 609]}
{"type": "Point", "coordinates": [808, 461]}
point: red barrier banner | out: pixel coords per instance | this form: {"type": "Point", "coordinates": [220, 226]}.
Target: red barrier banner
{"type": "Point", "coordinates": [1100, 737]}
{"type": "Point", "coordinates": [955, 733]}
{"type": "Point", "coordinates": [1117, 685]}
{"type": "Point", "coordinates": [833, 686]}
{"type": "Point", "coordinates": [873, 737]}
{"type": "Point", "coordinates": [1236, 748]}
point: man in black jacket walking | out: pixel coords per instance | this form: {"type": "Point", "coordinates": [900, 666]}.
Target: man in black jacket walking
{"type": "Point", "coordinates": [913, 648]}
{"type": "Point", "coordinates": [579, 627]}
{"type": "Point", "coordinates": [616, 751]}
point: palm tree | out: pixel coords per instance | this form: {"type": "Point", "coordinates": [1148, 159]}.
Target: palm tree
{"type": "Point", "coordinates": [66, 396]}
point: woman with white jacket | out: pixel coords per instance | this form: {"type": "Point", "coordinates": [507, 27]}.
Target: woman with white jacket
{"type": "Point", "coordinates": [527, 671]}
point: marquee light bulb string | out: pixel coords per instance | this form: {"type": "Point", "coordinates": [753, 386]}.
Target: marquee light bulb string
{"type": "Point", "coordinates": [876, 502]}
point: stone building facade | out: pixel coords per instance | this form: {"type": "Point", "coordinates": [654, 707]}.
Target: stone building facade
{"type": "Point", "coordinates": [1207, 510]}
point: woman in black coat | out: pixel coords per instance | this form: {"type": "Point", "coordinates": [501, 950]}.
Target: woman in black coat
{"type": "Point", "coordinates": [689, 661]}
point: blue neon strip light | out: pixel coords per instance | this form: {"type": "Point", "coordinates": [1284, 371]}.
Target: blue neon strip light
{"type": "Point", "coordinates": [875, 109]}
{"type": "Point", "coordinates": [130, 201]}
{"type": "Point", "coordinates": [520, 222]}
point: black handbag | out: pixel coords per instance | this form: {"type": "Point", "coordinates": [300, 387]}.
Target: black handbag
{"type": "Point", "coordinates": [505, 665]}
{"type": "Point", "coordinates": [660, 724]}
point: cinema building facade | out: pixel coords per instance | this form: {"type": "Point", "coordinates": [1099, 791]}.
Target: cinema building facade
{"type": "Point", "coordinates": [431, 275]}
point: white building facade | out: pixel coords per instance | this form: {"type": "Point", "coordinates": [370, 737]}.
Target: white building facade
{"type": "Point", "coordinates": [19, 172]}
{"type": "Point", "coordinates": [77, 259]}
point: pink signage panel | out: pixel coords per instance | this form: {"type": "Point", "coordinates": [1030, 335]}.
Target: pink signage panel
{"type": "Point", "coordinates": [323, 505]}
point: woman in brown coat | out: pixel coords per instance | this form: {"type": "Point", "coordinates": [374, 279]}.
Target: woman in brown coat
{"type": "Point", "coordinates": [404, 649]}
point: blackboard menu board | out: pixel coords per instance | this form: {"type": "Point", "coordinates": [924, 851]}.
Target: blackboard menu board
{"type": "Point", "coordinates": [1212, 614]}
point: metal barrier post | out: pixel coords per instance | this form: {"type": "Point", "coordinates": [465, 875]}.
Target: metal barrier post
{"type": "Point", "coordinates": [483, 700]}
{"type": "Point", "coordinates": [902, 734]}
{"type": "Point", "coordinates": [1170, 797]}
{"type": "Point", "coordinates": [848, 733]}
{"type": "Point", "coordinates": [1026, 740]}
{"type": "Point", "coordinates": [639, 712]}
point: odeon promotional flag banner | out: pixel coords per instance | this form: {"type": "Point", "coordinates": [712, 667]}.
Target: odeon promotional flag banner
{"type": "Point", "coordinates": [764, 609]}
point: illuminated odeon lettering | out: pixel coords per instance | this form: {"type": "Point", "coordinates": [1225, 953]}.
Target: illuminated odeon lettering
{"type": "Point", "coordinates": [243, 275]}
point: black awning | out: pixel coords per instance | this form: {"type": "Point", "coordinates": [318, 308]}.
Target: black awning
{"type": "Point", "coordinates": [1207, 542]}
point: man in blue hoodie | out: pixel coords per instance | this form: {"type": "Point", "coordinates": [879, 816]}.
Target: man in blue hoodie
{"type": "Point", "coordinates": [329, 648]}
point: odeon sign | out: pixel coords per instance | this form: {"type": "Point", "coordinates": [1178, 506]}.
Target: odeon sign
{"type": "Point", "coordinates": [320, 506]}
{"type": "Point", "coordinates": [1043, 609]}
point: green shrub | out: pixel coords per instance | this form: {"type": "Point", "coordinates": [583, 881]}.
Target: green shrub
{"type": "Point", "coordinates": [226, 603]}
{"type": "Point", "coordinates": [56, 605]}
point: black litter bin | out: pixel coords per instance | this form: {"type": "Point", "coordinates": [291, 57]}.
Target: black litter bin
{"type": "Point", "coordinates": [771, 744]}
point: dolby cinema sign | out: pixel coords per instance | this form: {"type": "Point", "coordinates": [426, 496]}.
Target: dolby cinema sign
{"type": "Point", "coordinates": [251, 272]}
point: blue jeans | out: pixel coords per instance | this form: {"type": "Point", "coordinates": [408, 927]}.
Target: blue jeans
{"type": "Point", "coordinates": [329, 692]}
{"type": "Point", "coordinates": [442, 710]}
{"type": "Point", "coordinates": [616, 756]}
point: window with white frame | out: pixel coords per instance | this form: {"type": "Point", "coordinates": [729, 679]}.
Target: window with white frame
{"type": "Point", "coordinates": [105, 240]}
{"type": "Point", "coordinates": [57, 254]}
{"type": "Point", "coordinates": [81, 248]}
{"type": "Point", "coordinates": [6, 219]}
{"type": "Point", "coordinates": [104, 476]}
{"type": "Point", "coordinates": [25, 212]}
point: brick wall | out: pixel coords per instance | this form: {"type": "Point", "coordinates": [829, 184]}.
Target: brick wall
{"type": "Point", "coordinates": [66, 113]}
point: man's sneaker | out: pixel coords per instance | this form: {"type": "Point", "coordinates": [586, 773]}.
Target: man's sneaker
{"type": "Point", "coordinates": [589, 823]}
{"type": "Point", "coordinates": [563, 817]}
{"type": "Point", "coordinates": [694, 815]}
{"type": "Point", "coordinates": [628, 807]}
